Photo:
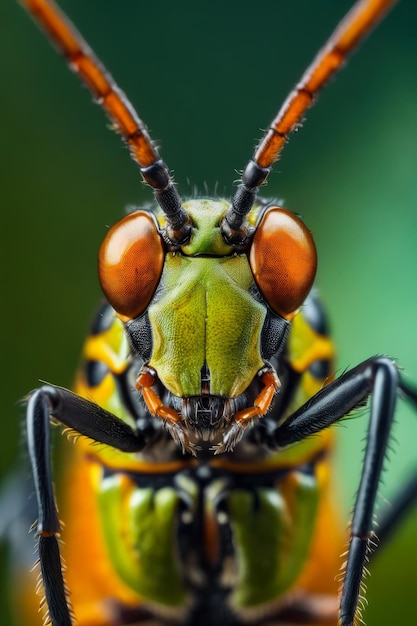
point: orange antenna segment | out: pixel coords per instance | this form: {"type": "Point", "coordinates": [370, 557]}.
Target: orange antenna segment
{"type": "Point", "coordinates": [111, 98]}
{"type": "Point", "coordinates": [360, 20]}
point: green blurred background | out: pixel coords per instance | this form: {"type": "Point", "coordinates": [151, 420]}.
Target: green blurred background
{"type": "Point", "coordinates": [206, 76]}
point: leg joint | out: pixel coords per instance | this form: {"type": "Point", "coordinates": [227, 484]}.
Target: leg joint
{"type": "Point", "coordinates": [48, 394]}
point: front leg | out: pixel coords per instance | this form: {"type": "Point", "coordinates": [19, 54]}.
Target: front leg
{"type": "Point", "coordinates": [85, 418]}
{"type": "Point", "coordinates": [377, 376]}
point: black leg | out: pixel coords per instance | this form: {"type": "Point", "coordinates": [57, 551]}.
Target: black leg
{"type": "Point", "coordinates": [385, 384]}
{"type": "Point", "coordinates": [90, 420]}
{"type": "Point", "coordinates": [392, 515]}
{"type": "Point", "coordinates": [377, 376]}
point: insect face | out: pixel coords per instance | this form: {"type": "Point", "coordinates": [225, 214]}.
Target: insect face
{"type": "Point", "coordinates": [367, 208]}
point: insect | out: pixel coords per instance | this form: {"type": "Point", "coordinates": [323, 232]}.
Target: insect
{"type": "Point", "coordinates": [232, 438]}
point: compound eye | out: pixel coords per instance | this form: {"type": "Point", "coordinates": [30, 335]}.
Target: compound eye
{"type": "Point", "coordinates": [130, 263]}
{"type": "Point", "coordinates": [283, 260]}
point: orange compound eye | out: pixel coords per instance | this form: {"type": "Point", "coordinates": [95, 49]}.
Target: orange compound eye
{"type": "Point", "coordinates": [283, 260]}
{"type": "Point", "coordinates": [130, 263]}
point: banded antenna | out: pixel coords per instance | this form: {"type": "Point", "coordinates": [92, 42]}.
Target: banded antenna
{"type": "Point", "coordinates": [82, 60]}
{"type": "Point", "coordinates": [358, 23]}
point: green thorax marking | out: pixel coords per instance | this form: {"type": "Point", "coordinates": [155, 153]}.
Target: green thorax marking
{"type": "Point", "coordinates": [272, 533]}
{"type": "Point", "coordinates": [203, 312]}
